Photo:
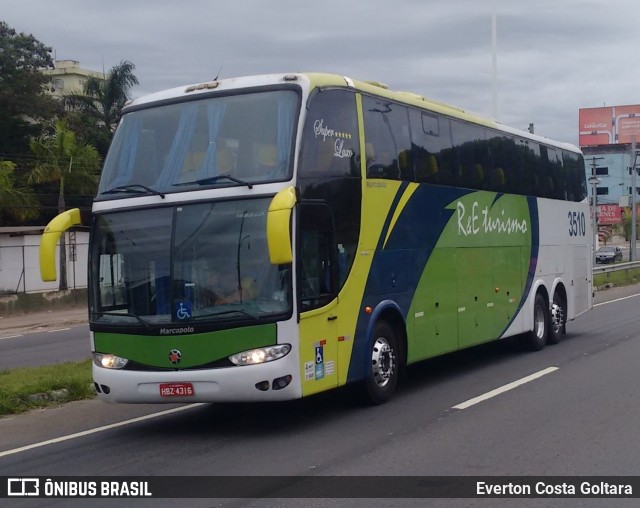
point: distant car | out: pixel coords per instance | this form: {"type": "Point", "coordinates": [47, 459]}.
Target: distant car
{"type": "Point", "coordinates": [608, 255]}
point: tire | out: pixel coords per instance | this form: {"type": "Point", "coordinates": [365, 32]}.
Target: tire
{"type": "Point", "coordinates": [383, 365]}
{"type": "Point", "coordinates": [557, 319]}
{"type": "Point", "coordinates": [536, 339]}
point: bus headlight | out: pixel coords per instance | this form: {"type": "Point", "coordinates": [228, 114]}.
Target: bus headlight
{"type": "Point", "coordinates": [260, 355]}
{"type": "Point", "coordinates": [109, 361]}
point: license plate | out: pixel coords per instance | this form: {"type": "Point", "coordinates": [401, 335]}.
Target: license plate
{"type": "Point", "coordinates": [176, 389]}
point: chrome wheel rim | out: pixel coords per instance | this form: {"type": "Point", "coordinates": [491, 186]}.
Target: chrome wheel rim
{"type": "Point", "coordinates": [539, 322]}
{"type": "Point", "coordinates": [382, 362]}
{"type": "Point", "coordinates": [557, 317]}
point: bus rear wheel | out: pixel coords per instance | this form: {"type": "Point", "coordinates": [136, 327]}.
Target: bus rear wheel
{"type": "Point", "coordinates": [537, 338]}
{"type": "Point", "coordinates": [383, 365]}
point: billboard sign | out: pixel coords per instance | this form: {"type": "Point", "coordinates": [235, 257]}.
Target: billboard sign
{"type": "Point", "coordinates": [609, 214]}
{"type": "Point", "coordinates": [609, 125]}
{"type": "Point", "coordinates": [614, 214]}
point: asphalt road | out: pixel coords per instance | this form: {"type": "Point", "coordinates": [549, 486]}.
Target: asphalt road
{"type": "Point", "coordinates": [577, 418]}
{"type": "Point", "coordinates": [45, 347]}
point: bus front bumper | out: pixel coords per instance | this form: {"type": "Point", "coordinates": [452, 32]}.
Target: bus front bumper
{"type": "Point", "coordinates": [277, 380]}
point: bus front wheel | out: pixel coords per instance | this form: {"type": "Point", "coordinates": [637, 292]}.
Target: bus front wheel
{"type": "Point", "coordinates": [537, 338]}
{"type": "Point", "coordinates": [383, 364]}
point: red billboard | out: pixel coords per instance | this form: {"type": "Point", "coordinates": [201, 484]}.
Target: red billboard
{"type": "Point", "coordinates": [614, 214]}
{"type": "Point", "coordinates": [609, 214]}
{"type": "Point", "coordinates": [609, 125]}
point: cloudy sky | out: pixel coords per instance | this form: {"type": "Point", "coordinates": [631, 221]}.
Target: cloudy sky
{"type": "Point", "coordinates": [553, 56]}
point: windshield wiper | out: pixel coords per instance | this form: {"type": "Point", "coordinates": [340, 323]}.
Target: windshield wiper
{"type": "Point", "coordinates": [214, 179]}
{"type": "Point", "coordinates": [234, 311]}
{"type": "Point", "coordinates": [136, 188]}
{"type": "Point", "coordinates": [125, 314]}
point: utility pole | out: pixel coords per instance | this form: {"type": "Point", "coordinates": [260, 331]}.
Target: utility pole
{"type": "Point", "coordinates": [494, 59]}
{"type": "Point", "coordinates": [634, 213]}
{"type": "Point", "coordinates": [594, 181]}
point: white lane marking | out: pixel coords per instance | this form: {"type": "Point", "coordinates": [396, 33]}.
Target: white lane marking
{"type": "Point", "coordinates": [58, 330]}
{"type": "Point", "coordinates": [10, 337]}
{"type": "Point", "coordinates": [504, 388]}
{"type": "Point", "coordinates": [616, 300]}
{"type": "Point", "coordinates": [98, 429]}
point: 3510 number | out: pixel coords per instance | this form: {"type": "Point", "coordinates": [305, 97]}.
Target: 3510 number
{"type": "Point", "coordinates": [577, 224]}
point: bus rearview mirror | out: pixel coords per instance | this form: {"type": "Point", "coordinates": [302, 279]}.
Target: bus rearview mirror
{"type": "Point", "coordinates": [50, 237]}
{"type": "Point", "coordinates": [279, 226]}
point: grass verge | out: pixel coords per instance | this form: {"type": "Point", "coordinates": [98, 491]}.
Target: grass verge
{"type": "Point", "coordinates": [617, 278]}
{"type": "Point", "coordinates": [37, 387]}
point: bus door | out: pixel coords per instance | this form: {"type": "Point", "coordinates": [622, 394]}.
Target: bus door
{"type": "Point", "coordinates": [317, 300]}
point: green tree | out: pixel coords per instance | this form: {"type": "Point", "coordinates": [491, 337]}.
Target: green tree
{"type": "Point", "coordinates": [103, 100]}
{"type": "Point", "coordinates": [23, 102]}
{"type": "Point", "coordinates": [16, 201]}
{"type": "Point", "coordinates": [60, 159]}
{"type": "Point", "coordinates": [626, 224]}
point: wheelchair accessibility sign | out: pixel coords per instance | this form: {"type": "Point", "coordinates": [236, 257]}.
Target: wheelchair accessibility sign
{"type": "Point", "coordinates": [319, 371]}
{"type": "Point", "coordinates": [183, 309]}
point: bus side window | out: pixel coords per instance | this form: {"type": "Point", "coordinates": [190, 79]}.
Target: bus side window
{"type": "Point", "coordinates": [471, 154]}
{"type": "Point", "coordinates": [388, 142]}
{"type": "Point", "coordinates": [501, 173]}
{"type": "Point", "coordinates": [574, 176]}
{"type": "Point", "coordinates": [555, 172]}
{"type": "Point", "coordinates": [532, 169]}
{"type": "Point", "coordinates": [330, 143]}
{"type": "Point", "coordinates": [430, 142]}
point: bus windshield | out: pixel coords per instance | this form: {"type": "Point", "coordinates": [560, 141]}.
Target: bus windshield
{"type": "Point", "coordinates": [196, 264]}
{"type": "Point", "coordinates": [227, 140]}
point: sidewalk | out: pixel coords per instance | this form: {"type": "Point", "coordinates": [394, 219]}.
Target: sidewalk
{"type": "Point", "coordinates": [16, 324]}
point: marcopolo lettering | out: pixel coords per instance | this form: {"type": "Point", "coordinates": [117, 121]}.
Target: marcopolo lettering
{"type": "Point", "coordinates": [176, 331]}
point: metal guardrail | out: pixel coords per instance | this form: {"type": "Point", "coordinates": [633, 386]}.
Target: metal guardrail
{"type": "Point", "coordinates": [615, 267]}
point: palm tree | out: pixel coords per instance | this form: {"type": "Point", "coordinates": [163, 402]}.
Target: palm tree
{"type": "Point", "coordinates": [19, 202]}
{"type": "Point", "coordinates": [103, 99]}
{"type": "Point", "coordinates": [59, 158]}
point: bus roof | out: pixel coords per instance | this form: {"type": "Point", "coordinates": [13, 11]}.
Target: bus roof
{"type": "Point", "coordinates": [316, 80]}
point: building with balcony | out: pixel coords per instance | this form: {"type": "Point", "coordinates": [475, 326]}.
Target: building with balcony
{"type": "Point", "coordinates": [67, 77]}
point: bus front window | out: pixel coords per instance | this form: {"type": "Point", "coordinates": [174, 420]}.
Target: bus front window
{"type": "Point", "coordinates": [241, 139]}
{"type": "Point", "coordinates": [202, 263]}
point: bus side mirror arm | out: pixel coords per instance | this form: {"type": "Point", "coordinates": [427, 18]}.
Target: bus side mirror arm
{"type": "Point", "coordinates": [279, 227]}
{"type": "Point", "coordinates": [50, 237]}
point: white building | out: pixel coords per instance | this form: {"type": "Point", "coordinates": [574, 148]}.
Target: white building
{"type": "Point", "coordinates": [19, 260]}
{"type": "Point", "coordinates": [68, 77]}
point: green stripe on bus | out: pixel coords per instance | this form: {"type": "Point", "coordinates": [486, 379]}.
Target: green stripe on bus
{"type": "Point", "coordinates": [195, 349]}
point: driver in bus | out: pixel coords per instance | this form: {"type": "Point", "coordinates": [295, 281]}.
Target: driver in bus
{"type": "Point", "coordinates": [221, 288]}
